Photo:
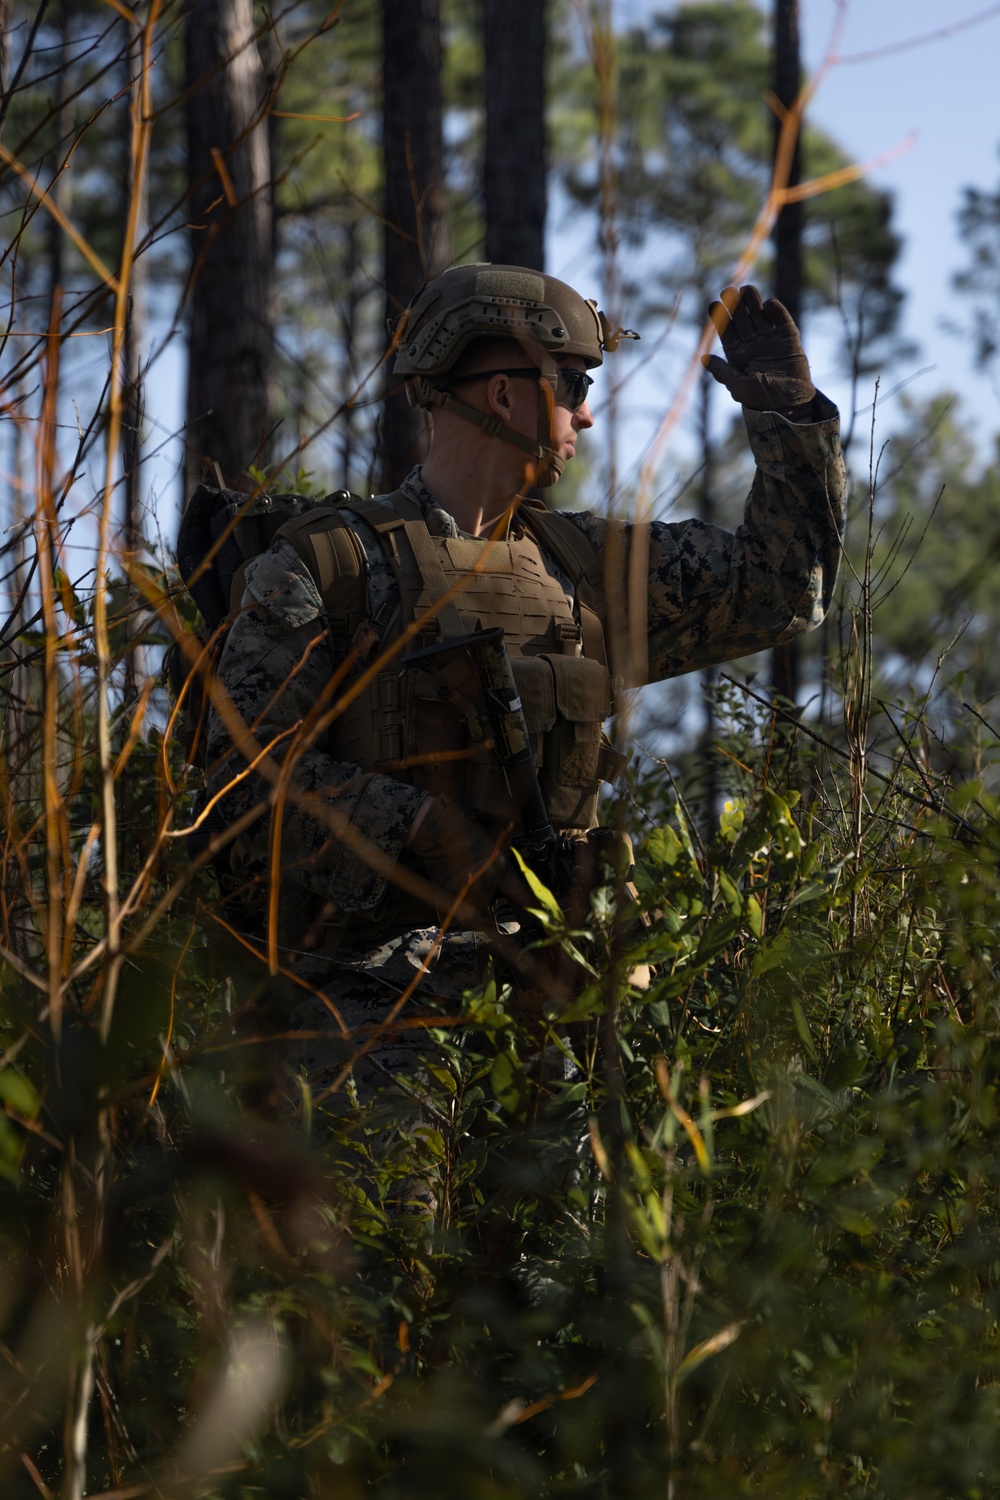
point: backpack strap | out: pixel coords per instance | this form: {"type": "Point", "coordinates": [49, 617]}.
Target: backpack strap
{"type": "Point", "coordinates": [336, 560]}
{"type": "Point", "coordinates": [386, 513]}
{"type": "Point", "coordinates": [332, 551]}
{"type": "Point", "coordinates": [396, 518]}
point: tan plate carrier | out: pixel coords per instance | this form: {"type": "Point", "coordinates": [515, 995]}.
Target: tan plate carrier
{"type": "Point", "coordinates": [426, 727]}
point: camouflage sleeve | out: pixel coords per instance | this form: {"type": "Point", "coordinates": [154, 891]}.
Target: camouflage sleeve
{"type": "Point", "coordinates": [276, 668]}
{"type": "Point", "coordinates": [715, 595]}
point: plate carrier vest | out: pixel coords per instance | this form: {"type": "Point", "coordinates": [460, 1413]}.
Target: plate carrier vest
{"type": "Point", "coordinates": [427, 727]}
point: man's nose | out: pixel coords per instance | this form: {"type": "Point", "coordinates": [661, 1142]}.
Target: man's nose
{"type": "Point", "coordinates": [583, 417]}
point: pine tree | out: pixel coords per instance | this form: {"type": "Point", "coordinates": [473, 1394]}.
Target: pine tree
{"type": "Point", "coordinates": [232, 257]}
{"type": "Point", "coordinates": [416, 220]}
{"type": "Point", "coordinates": [515, 157]}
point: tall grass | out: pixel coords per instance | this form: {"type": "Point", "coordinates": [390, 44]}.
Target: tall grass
{"type": "Point", "coordinates": [743, 1240]}
{"type": "Point", "coordinates": [732, 1232]}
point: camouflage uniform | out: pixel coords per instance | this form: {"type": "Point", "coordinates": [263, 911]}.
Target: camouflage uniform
{"type": "Point", "coordinates": [713, 595]}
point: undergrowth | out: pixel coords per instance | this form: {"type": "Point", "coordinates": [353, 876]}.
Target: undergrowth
{"type": "Point", "coordinates": [734, 1231]}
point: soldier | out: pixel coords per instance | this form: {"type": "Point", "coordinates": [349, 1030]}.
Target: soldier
{"type": "Point", "coordinates": [389, 810]}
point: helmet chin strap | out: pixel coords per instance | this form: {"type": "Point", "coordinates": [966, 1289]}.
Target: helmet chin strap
{"type": "Point", "coordinates": [548, 464]}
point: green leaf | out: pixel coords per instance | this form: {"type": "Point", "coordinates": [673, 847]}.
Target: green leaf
{"type": "Point", "coordinates": [845, 1068]}
{"type": "Point", "coordinates": [707, 1348]}
{"type": "Point", "coordinates": [717, 935]}
{"type": "Point", "coordinates": [770, 955]}
{"type": "Point", "coordinates": [431, 1140]}
{"type": "Point", "coordinates": [664, 848]}
{"type": "Point", "coordinates": [754, 916]}
{"type": "Point", "coordinates": [731, 820]}
{"type": "Point", "coordinates": [16, 1091]}
{"type": "Point", "coordinates": [509, 1083]}
{"type": "Point", "coordinates": [802, 1027]}
{"type": "Point", "coordinates": [541, 892]}
{"type": "Point", "coordinates": [589, 1002]}
{"type": "Point", "coordinates": [685, 834]}
{"type": "Point", "coordinates": [787, 837]}
{"type": "Point", "coordinates": [443, 1075]}
{"type": "Point", "coordinates": [10, 1149]}
{"type": "Point", "coordinates": [853, 1220]}
{"type": "Point", "coordinates": [730, 894]}
{"type": "Point", "coordinates": [69, 597]}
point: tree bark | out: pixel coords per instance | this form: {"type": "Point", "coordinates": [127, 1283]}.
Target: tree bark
{"type": "Point", "coordinates": [135, 328]}
{"type": "Point", "coordinates": [5, 10]}
{"type": "Point", "coordinates": [55, 235]}
{"type": "Point", "coordinates": [133, 187]}
{"type": "Point", "coordinates": [416, 222]}
{"type": "Point", "coordinates": [515, 160]}
{"type": "Point", "coordinates": [229, 293]}
{"type": "Point", "coordinates": [788, 259]}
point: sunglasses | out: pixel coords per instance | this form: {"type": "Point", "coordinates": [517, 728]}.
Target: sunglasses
{"type": "Point", "coordinates": [571, 386]}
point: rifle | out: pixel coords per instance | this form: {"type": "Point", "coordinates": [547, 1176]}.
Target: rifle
{"type": "Point", "coordinates": [537, 840]}
{"type": "Point", "coordinates": [569, 867]}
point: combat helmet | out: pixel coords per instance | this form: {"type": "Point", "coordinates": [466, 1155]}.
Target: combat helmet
{"type": "Point", "coordinates": [467, 303]}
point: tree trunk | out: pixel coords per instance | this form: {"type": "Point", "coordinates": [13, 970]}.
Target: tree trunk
{"type": "Point", "coordinates": [55, 237]}
{"type": "Point", "coordinates": [134, 197]}
{"type": "Point", "coordinates": [135, 328]}
{"type": "Point", "coordinates": [5, 10]}
{"type": "Point", "coordinates": [788, 260]}
{"type": "Point", "coordinates": [20, 765]}
{"type": "Point", "coordinates": [416, 223]}
{"type": "Point", "coordinates": [514, 167]}
{"type": "Point", "coordinates": [229, 172]}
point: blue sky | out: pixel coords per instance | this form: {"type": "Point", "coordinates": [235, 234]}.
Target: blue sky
{"type": "Point", "coordinates": [945, 91]}
{"type": "Point", "coordinates": [938, 98]}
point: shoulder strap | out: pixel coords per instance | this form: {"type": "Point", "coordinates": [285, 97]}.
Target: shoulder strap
{"type": "Point", "coordinates": [386, 512]}
{"type": "Point", "coordinates": [395, 517]}
{"type": "Point", "coordinates": [580, 559]}
{"type": "Point", "coordinates": [571, 548]}
{"type": "Point", "coordinates": [335, 558]}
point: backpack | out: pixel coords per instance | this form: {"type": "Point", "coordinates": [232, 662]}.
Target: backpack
{"type": "Point", "coordinates": [221, 531]}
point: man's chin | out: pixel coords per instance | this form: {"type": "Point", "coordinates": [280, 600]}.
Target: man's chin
{"type": "Point", "coordinates": [558, 464]}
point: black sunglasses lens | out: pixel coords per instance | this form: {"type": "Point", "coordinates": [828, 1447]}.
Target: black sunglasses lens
{"type": "Point", "coordinates": [575, 384]}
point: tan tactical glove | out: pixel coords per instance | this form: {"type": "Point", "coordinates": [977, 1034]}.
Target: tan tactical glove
{"type": "Point", "coordinates": [767, 369]}
{"type": "Point", "coordinates": [453, 847]}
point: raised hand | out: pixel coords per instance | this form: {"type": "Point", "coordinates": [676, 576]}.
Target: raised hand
{"type": "Point", "coordinates": [767, 369]}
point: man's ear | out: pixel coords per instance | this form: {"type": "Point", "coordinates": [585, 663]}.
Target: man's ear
{"type": "Point", "coordinates": [498, 396]}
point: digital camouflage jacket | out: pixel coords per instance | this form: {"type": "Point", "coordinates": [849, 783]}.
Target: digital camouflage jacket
{"type": "Point", "coordinates": [713, 595]}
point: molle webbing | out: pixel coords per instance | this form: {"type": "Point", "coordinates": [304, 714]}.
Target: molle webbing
{"type": "Point", "coordinates": [571, 549]}
{"type": "Point", "coordinates": [427, 726]}
{"type": "Point", "coordinates": [485, 579]}
{"type": "Point", "coordinates": [331, 551]}
{"type": "Point", "coordinates": [579, 559]}
{"type": "Point", "coordinates": [462, 583]}
{"type": "Point", "coordinates": [441, 594]}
